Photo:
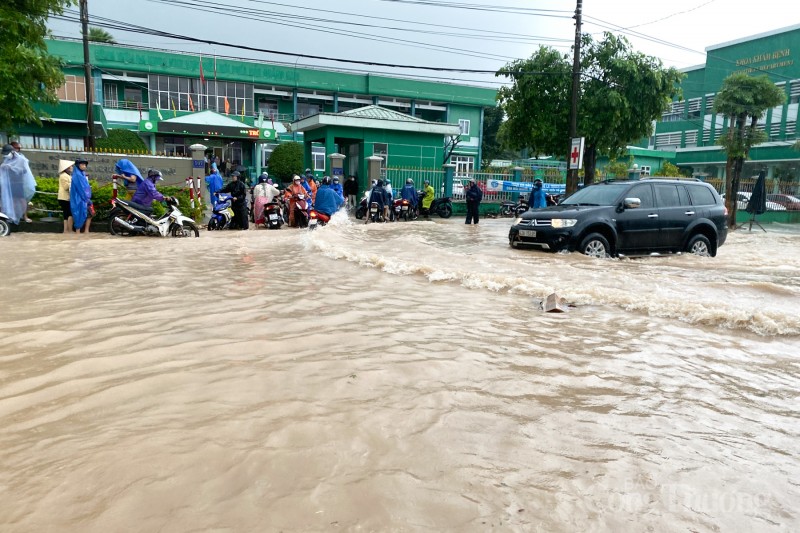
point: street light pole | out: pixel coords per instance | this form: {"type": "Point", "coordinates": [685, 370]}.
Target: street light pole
{"type": "Point", "coordinates": [87, 73]}
{"type": "Point", "coordinates": [572, 174]}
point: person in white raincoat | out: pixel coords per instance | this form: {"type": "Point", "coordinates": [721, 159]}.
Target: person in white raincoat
{"type": "Point", "coordinates": [17, 184]}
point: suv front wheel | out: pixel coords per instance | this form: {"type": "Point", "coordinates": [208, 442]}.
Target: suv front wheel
{"type": "Point", "coordinates": [699, 245]}
{"type": "Point", "coordinates": [595, 245]}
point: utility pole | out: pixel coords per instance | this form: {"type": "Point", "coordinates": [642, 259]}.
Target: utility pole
{"type": "Point", "coordinates": [87, 72]}
{"type": "Point", "coordinates": [572, 174]}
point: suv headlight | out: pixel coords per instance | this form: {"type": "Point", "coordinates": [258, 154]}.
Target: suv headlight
{"type": "Point", "coordinates": [517, 221]}
{"type": "Point", "coordinates": [564, 222]}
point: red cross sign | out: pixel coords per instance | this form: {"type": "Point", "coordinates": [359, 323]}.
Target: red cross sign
{"type": "Point", "coordinates": [576, 153]}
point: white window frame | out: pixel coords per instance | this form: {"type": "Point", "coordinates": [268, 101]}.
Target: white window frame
{"type": "Point", "coordinates": [465, 165]}
{"type": "Point", "coordinates": [464, 125]}
{"type": "Point", "coordinates": [383, 154]}
{"type": "Point", "coordinates": [318, 156]}
{"type": "Point", "coordinates": [73, 90]}
{"type": "Point", "coordinates": [111, 94]}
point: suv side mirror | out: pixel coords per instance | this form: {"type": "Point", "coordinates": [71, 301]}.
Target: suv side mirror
{"type": "Point", "coordinates": [631, 203]}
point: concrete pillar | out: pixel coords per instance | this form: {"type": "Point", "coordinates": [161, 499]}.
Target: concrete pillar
{"type": "Point", "coordinates": [336, 166]}
{"type": "Point", "coordinates": [517, 177]}
{"type": "Point", "coordinates": [373, 168]}
{"type": "Point", "coordinates": [634, 173]}
{"type": "Point", "coordinates": [199, 169]}
{"type": "Point", "coordinates": [413, 108]}
{"type": "Point", "coordinates": [449, 174]}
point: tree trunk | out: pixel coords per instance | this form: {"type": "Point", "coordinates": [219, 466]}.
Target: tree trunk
{"type": "Point", "coordinates": [738, 163]}
{"type": "Point", "coordinates": [730, 197]}
{"type": "Point", "coordinates": [589, 163]}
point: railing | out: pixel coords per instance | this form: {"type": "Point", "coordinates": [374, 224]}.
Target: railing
{"type": "Point", "coordinates": [127, 104]}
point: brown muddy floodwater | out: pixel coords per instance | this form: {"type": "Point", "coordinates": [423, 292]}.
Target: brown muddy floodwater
{"type": "Point", "coordinates": [396, 378]}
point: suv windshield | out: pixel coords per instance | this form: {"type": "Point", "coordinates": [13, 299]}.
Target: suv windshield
{"type": "Point", "coordinates": [600, 194]}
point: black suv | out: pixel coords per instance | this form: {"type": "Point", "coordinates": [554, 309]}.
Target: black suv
{"type": "Point", "coordinates": [629, 217]}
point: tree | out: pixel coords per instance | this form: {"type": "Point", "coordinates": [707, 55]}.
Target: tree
{"type": "Point", "coordinates": [492, 146]}
{"type": "Point", "coordinates": [743, 99]}
{"type": "Point", "coordinates": [29, 74]}
{"type": "Point", "coordinates": [450, 144]}
{"type": "Point", "coordinates": [671, 171]}
{"type": "Point", "coordinates": [100, 35]}
{"type": "Point", "coordinates": [122, 140]}
{"type": "Point", "coordinates": [622, 93]}
{"type": "Point", "coordinates": [286, 160]}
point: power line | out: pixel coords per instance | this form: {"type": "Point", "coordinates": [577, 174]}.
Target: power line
{"type": "Point", "coordinates": [483, 7]}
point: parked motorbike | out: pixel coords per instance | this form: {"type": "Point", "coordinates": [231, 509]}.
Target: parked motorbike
{"type": "Point", "coordinates": [273, 215]}
{"type": "Point", "coordinates": [128, 218]}
{"type": "Point", "coordinates": [440, 206]}
{"type": "Point", "coordinates": [361, 210]}
{"type": "Point", "coordinates": [5, 224]}
{"type": "Point", "coordinates": [316, 218]}
{"type": "Point", "coordinates": [300, 210]}
{"type": "Point", "coordinates": [401, 208]}
{"type": "Point", "coordinates": [375, 213]}
{"type": "Point", "coordinates": [508, 209]}
{"type": "Point", "coordinates": [221, 214]}
{"type": "Point", "coordinates": [521, 207]}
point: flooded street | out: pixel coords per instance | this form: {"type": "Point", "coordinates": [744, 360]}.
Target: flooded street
{"type": "Point", "coordinates": [396, 377]}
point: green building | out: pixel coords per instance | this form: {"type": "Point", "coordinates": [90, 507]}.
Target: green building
{"type": "Point", "coordinates": [241, 109]}
{"type": "Point", "coordinates": [691, 129]}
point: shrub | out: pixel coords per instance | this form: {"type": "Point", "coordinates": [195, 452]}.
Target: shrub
{"type": "Point", "coordinates": [286, 160]}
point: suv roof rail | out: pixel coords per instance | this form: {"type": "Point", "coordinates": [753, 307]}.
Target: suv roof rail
{"type": "Point", "coordinates": [683, 178]}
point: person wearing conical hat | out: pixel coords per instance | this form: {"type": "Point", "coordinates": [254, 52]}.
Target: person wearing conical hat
{"type": "Point", "coordinates": [64, 182]}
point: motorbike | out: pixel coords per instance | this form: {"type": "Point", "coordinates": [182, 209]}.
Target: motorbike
{"type": "Point", "coordinates": [440, 206]}
{"type": "Point", "coordinates": [317, 218]}
{"type": "Point", "coordinates": [521, 207]}
{"type": "Point", "coordinates": [128, 218]}
{"type": "Point", "coordinates": [508, 209]}
{"type": "Point", "coordinates": [361, 211]}
{"type": "Point", "coordinates": [401, 208]}
{"type": "Point", "coordinates": [222, 214]}
{"type": "Point", "coordinates": [5, 224]}
{"type": "Point", "coordinates": [274, 214]}
{"type": "Point", "coordinates": [300, 210]}
{"type": "Point", "coordinates": [375, 213]}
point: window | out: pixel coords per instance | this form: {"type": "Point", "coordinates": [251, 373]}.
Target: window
{"type": "Point", "coordinates": [701, 195]}
{"type": "Point", "coordinates": [110, 94]}
{"type": "Point", "coordinates": [175, 146]}
{"type": "Point", "coordinates": [683, 195]}
{"type": "Point", "coordinates": [465, 165]}
{"type": "Point", "coordinates": [668, 139]}
{"type": "Point", "coordinates": [382, 150]}
{"type": "Point", "coordinates": [306, 110]}
{"type": "Point", "coordinates": [794, 92]}
{"type": "Point", "coordinates": [694, 107]}
{"type": "Point", "coordinates": [644, 193]}
{"type": "Point", "coordinates": [691, 138]}
{"type": "Point", "coordinates": [188, 94]}
{"type": "Point", "coordinates": [464, 125]}
{"type": "Point", "coordinates": [268, 107]}
{"type": "Point", "coordinates": [667, 195]}
{"type": "Point", "coordinates": [54, 142]}
{"type": "Point", "coordinates": [133, 94]}
{"type": "Point", "coordinates": [266, 153]}
{"type": "Point", "coordinates": [645, 170]}
{"type": "Point", "coordinates": [73, 90]}
{"type": "Point", "coordinates": [318, 155]}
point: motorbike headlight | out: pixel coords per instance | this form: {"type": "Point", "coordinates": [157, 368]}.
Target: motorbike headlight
{"type": "Point", "coordinates": [517, 221]}
{"type": "Point", "coordinates": [564, 222]}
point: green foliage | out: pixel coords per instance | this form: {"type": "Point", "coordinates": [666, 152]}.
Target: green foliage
{"type": "Point", "coordinates": [286, 160]}
{"type": "Point", "coordinates": [101, 198]}
{"type": "Point", "coordinates": [616, 169]}
{"type": "Point", "coordinates": [669, 170]}
{"type": "Point", "coordinates": [29, 75]}
{"type": "Point", "coordinates": [492, 146]}
{"type": "Point", "coordinates": [100, 35]}
{"type": "Point", "coordinates": [125, 141]}
{"type": "Point", "coordinates": [622, 92]}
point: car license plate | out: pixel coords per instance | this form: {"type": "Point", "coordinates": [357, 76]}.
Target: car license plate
{"type": "Point", "coordinates": [527, 233]}
{"type": "Point", "coordinates": [405, 208]}
{"type": "Point", "coordinates": [373, 210]}
{"type": "Point", "coordinates": [312, 222]}
{"type": "Point", "coordinates": [273, 217]}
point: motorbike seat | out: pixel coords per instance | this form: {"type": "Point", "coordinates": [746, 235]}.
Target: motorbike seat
{"type": "Point", "coordinates": [147, 210]}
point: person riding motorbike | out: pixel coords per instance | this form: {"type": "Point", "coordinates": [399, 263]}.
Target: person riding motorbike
{"type": "Point", "coordinates": [263, 194]}
{"type": "Point", "coordinates": [295, 188]}
{"type": "Point", "coordinates": [336, 186]}
{"type": "Point", "coordinates": [427, 198]}
{"type": "Point", "coordinates": [408, 192]}
{"type": "Point", "coordinates": [146, 192]}
{"type": "Point", "coordinates": [377, 195]}
{"type": "Point", "coordinates": [309, 184]}
{"type": "Point", "coordinates": [389, 198]}
{"type": "Point", "coordinates": [238, 191]}
{"type": "Point", "coordinates": [328, 200]}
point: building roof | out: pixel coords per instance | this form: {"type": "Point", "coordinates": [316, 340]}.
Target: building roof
{"type": "Point", "coordinates": [753, 37]}
{"type": "Point", "coordinates": [207, 118]}
{"type": "Point", "coordinates": [375, 117]}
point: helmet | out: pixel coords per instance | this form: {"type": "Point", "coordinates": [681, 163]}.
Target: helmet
{"type": "Point", "coordinates": [262, 178]}
{"type": "Point", "coordinates": [380, 183]}
{"type": "Point", "coordinates": [427, 182]}
{"type": "Point", "coordinates": [308, 171]}
{"type": "Point", "coordinates": [77, 161]}
{"type": "Point", "coordinates": [538, 180]}
{"type": "Point", "coordinates": [326, 180]}
{"type": "Point", "coordinates": [235, 174]}
{"type": "Point", "coordinates": [154, 174]}
{"type": "Point", "coordinates": [296, 178]}
{"type": "Point", "coordinates": [410, 181]}
{"type": "Point", "coordinates": [374, 182]}
{"type": "Point", "coordinates": [265, 174]}
{"type": "Point", "coordinates": [336, 179]}
{"type": "Point", "coordinates": [7, 149]}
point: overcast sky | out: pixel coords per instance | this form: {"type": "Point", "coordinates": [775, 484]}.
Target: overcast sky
{"type": "Point", "coordinates": [483, 34]}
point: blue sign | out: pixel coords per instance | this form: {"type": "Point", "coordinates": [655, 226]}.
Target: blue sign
{"type": "Point", "coordinates": [337, 171]}
{"type": "Point", "coordinates": [198, 163]}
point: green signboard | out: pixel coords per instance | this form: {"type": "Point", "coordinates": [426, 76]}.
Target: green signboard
{"type": "Point", "coordinates": [205, 130]}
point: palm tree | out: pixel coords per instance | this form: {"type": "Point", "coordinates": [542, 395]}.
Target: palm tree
{"type": "Point", "coordinates": [99, 35]}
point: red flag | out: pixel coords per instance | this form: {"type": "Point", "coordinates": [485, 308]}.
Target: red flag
{"type": "Point", "coordinates": [227, 106]}
{"type": "Point", "coordinates": [202, 78]}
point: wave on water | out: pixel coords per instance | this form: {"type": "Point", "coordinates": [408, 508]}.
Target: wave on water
{"type": "Point", "coordinates": [635, 286]}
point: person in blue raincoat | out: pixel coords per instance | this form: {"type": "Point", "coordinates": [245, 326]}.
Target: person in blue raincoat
{"type": "Point", "coordinates": [409, 192]}
{"type": "Point", "coordinates": [328, 200]}
{"type": "Point", "coordinates": [213, 183]}
{"type": "Point", "coordinates": [537, 199]}
{"type": "Point", "coordinates": [337, 187]}
{"type": "Point", "coordinates": [80, 197]}
{"type": "Point", "coordinates": [17, 184]}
